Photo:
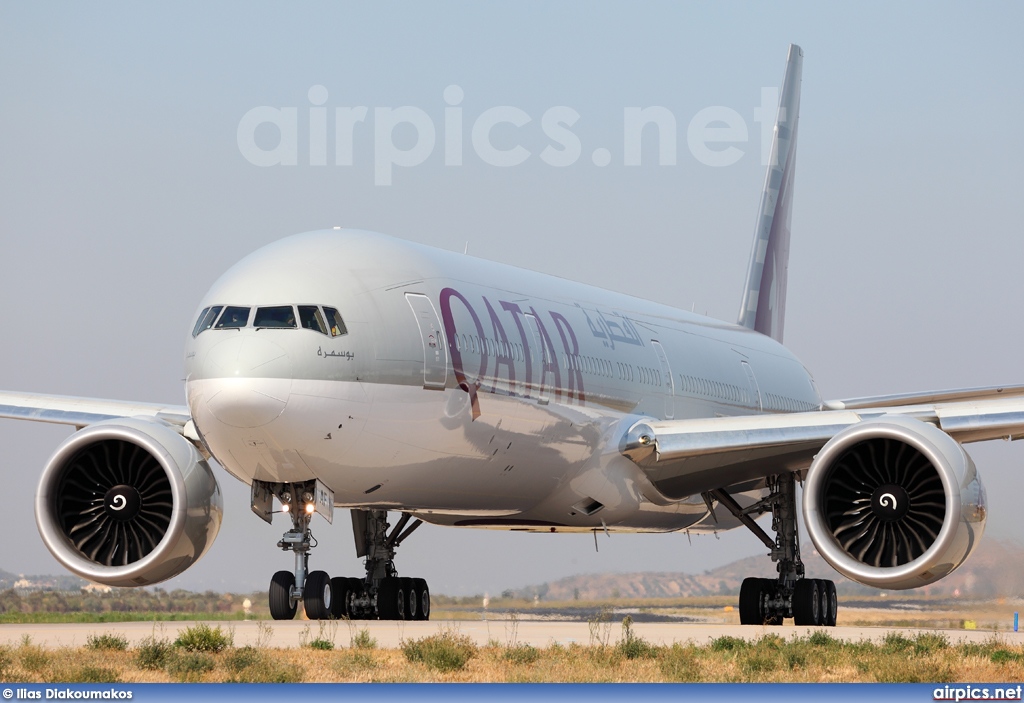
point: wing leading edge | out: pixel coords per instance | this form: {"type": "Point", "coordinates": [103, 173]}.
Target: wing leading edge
{"type": "Point", "coordinates": [80, 412]}
{"type": "Point", "coordinates": [685, 457]}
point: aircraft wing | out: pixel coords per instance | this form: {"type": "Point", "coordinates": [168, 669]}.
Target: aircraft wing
{"type": "Point", "coordinates": [71, 410]}
{"type": "Point", "coordinates": [685, 457]}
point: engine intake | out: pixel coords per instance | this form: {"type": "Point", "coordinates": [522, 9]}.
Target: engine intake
{"type": "Point", "coordinates": [128, 502]}
{"type": "Point", "coordinates": [894, 503]}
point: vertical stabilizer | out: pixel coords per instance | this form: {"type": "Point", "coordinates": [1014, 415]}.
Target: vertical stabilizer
{"type": "Point", "coordinates": [764, 296]}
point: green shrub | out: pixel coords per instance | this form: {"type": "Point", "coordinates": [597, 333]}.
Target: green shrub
{"type": "Point", "coordinates": [795, 656]}
{"type": "Point", "coordinates": [190, 665]}
{"type": "Point", "coordinates": [755, 664]}
{"type": "Point", "coordinates": [363, 640]}
{"type": "Point", "coordinates": [153, 653]}
{"type": "Point", "coordinates": [725, 643]}
{"type": "Point", "coordinates": [820, 638]}
{"type": "Point", "coordinates": [203, 638]}
{"type": "Point", "coordinates": [321, 643]}
{"type": "Point", "coordinates": [90, 674]}
{"type": "Point", "coordinates": [679, 663]}
{"type": "Point", "coordinates": [979, 649]}
{"type": "Point", "coordinates": [445, 651]}
{"type": "Point", "coordinates": [33, 657]}
{"type": "Point", "coordinates": [771, 641]}
{"type": "Point", "coordinates": [522, 654]}
{"type": "Point", "coordinates": [107, 641]}
{"type": "Point", "coordinates": [354, 661]}
{"type": "Point", "coordinates": [250, 665]}
{"type": "Point", "coordinates": [1003, 656]}
{"type": "Point", "coordinates": [243, 658]}
{"type": "Point", "coordinates": [632, 646]}
{"type": "Point", "coordinates": [895, 642]}
{"type": "Point", "coordinates": [928, 642]}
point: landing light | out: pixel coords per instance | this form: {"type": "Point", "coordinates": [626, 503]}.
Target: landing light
{"type": "Point", "coordinates": [285, 508]}
{"type": "Point", "coordinates": [310, 508]}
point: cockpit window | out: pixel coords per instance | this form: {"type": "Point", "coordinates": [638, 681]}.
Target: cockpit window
{"type": "Point", "coordinates": [311, 319]}
{"type": "Point", "coordinates": [324, 320]}
{"type": "Point", "coordinates": [206, 318]}
{"type": "Point", "coordinates": [277, 316]}
{"type": "Point", "coordinates": [233, 317]}
{"type": "Point", "coordinates": [336, 323]}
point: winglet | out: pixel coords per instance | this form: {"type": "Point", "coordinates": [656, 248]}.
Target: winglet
{"type": "Point", "coordinates": [763, 308]}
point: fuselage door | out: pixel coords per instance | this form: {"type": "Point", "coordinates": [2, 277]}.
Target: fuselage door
{"type": "Point", "coordinates": [435, 351]}
{"type": "Point", "coordinates": [755, 392]}
{"type": "Point", "coordinates": [538, 359]}
{"type": "Point", "coordinates": [668, 385]}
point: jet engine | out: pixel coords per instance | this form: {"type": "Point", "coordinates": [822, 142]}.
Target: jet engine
{"type": "Point", "coordinates": [128, 502]}
{"type": "Point", "coordinates": [894, 503]}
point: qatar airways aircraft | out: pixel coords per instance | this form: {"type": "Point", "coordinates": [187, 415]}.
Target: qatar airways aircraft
{"type": "Point", "coordinates": [347, 369]}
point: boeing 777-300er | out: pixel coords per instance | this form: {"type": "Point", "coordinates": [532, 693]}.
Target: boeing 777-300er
{"type": "Point", "coordinates": [347, 369]}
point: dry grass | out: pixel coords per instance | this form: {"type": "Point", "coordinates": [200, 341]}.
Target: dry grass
{"type": "Point", "coordinates": [925, 657]}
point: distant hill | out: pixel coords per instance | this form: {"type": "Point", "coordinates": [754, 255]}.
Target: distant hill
{"type": "Point", "coordinates": [64, 582]}
{"type": "Point", "coordinates": [995, 570]}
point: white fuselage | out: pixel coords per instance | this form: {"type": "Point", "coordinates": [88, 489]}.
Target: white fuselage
{"type": "Point", "coordinates": [465, 391]}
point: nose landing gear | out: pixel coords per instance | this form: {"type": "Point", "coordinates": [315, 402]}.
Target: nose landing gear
{"type": "Point", "coordinates": [315, 589]}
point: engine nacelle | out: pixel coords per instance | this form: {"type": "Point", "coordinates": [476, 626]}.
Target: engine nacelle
{"type": "Point", "coordinates": [894, 503]}
{"type": "Point", "coordinates": [128, 502]}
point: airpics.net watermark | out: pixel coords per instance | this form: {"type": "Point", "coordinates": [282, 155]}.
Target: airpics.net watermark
{"type": "Point", "coordinates": [712, 134]}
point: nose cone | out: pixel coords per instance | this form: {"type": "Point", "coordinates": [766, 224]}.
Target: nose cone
{"type": "Point", "coordinates": [250, 378]}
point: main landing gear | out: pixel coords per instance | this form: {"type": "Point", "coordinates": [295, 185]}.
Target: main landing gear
{"type": "Point", "coordinates": [381, 594]}
{"type": "Point", "coordinates": [768, 601]}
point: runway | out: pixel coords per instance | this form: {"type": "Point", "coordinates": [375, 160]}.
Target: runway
{"type": "Point", "coordinates": [389, 634]}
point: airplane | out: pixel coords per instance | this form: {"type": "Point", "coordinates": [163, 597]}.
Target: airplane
{"type": "Point", "coordinates": [347, 369]}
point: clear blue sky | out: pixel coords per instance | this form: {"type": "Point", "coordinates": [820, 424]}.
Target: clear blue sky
{"type": "Point", "coordinates": [124, 194]}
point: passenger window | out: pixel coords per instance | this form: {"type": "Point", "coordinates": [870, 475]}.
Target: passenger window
{"type": "Point", "coordinates": [206, 318]}
{"type": "Point", "coordinates": [311, 319]}
{"type": "Point", "coordinates": [282, 316]}
{"type": "Point", "coordinates": [233, 318]}
{"type": "Point", "coordinates": [335, 322]}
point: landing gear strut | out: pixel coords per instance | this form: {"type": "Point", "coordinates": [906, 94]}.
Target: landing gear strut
{"type": "Point", "coordinates": [790, 595]}
{"type": "Point", "coordinates": [383, 594]}
{"type": "Point", "coordinates": [287, 588]}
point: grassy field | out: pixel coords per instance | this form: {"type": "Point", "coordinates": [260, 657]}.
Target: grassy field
{"type": "Point", "coordinates": [113, 616]}
{"type": "Point", "coordinates": [204, 653]}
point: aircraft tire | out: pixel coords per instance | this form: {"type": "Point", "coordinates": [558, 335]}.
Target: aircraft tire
{"type": "Point", "coordinates": [316, 596]}
{"type": "Point", "coordinates": [340, 591]}
{"type": "Point", "coordinates": [411, 606]}
{"type": "Point", "coordinates": [282, 607]}
{"type": "Point", "coordinates": [390, 600]}
{"type": "Point", "coordinates": [806, 603]}
{"type": "Point", "coordinates": [831, 610]}
{"type": "Point", "coordinates": [768, 587]}
{"type": "Point", "coordinates": [750, 602]}
{"type": "Point", "coordinates": [422, 593]}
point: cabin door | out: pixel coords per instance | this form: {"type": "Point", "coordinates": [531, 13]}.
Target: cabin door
{"type": "Point", "coordinates": [755, 392]}
{"type": "Point", "coordinates": [538, 359]}
{"type": "Point", "coordinates": [435, 351]}
{"type": "Point", "coordinates": [668, 385]}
